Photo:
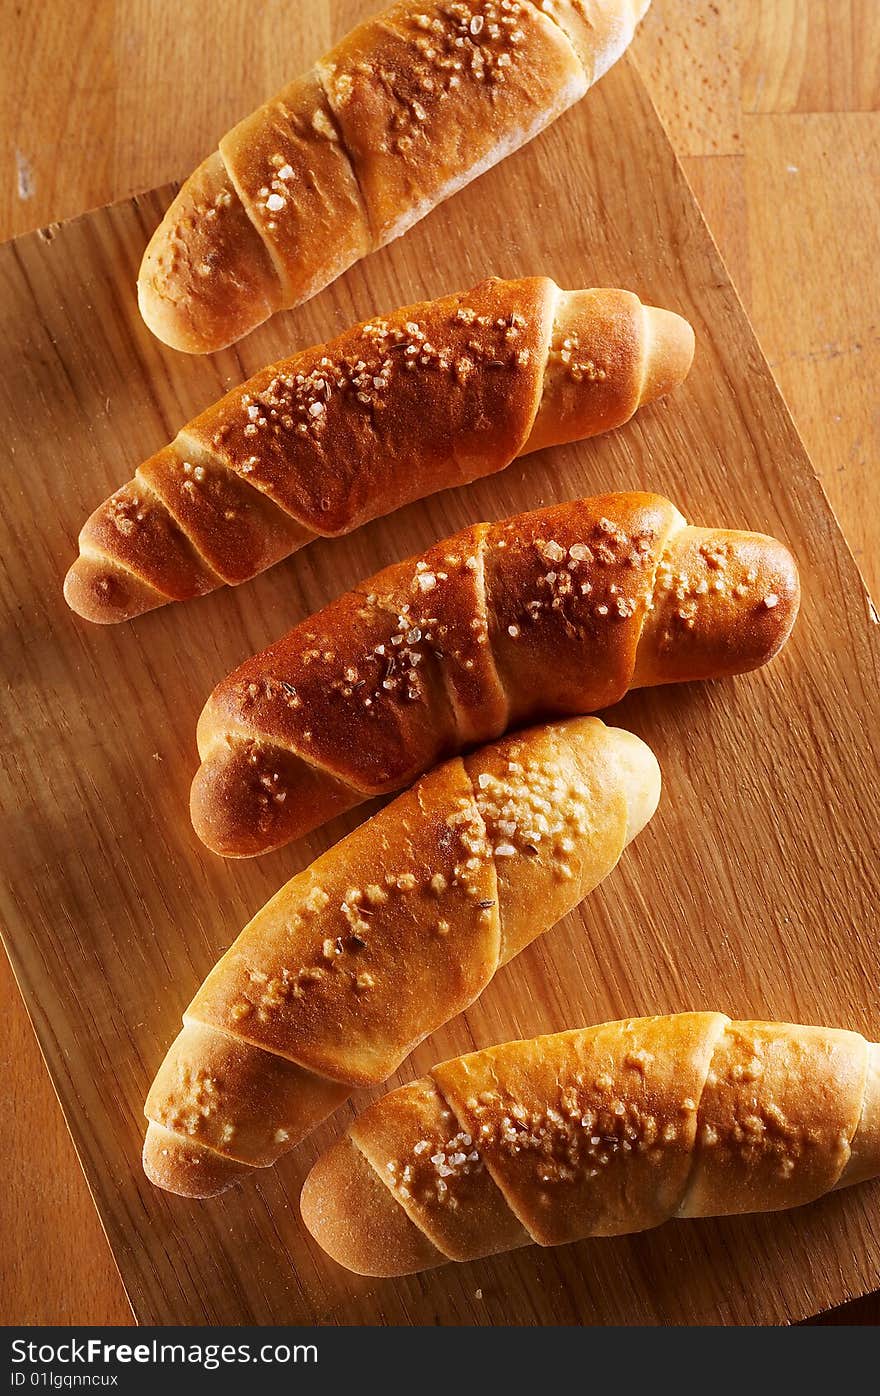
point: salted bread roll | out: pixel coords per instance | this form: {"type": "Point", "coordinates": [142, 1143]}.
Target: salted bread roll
{"type": "Point", "coordinates": [432, 395]}
{"type": "Point", "coordinates": [547, 614]}
{"type": "Point", "coordinates": [410, 106]}
{"type": "Point", "coordinates": [597, 1132]}
{"type": "Point", "coordinates": [387, 936]}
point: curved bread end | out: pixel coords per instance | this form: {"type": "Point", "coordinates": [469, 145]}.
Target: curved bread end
{"type": "Point", "coordinates": [724, 603]}
{"type": "Point", "coordinates": [248, 798]}
{"type": "Point", "coordinates": [864, 1158]}
{"type": "Point", "coordinates": [206, 277]}
{"type": "Point", "coordinates": [178, 1165]}
{"type": "Point", "coordinates": [669, 352]}
{"type": "Point", "coordinates": [103, 593]}
{"type": "Point", "coordinates": [355, 1219]}
{"type": "Point", "coordinates": [640, 772]}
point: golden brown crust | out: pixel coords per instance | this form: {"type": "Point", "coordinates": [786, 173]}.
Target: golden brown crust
{"type": "Point", "coordinates": [206, 277]}
{"type": "Point", "coordinates": [410, 106]}
{"type": "Point", "coordinates": [102, 592]}
{"type": "Point", "coordinates": [250, 796]}
{"type": "Point", "coordinates": [724, 603]}
{"type": "Point", "coordinates": [778, 1111]}
{"type": "Point", "coordinates": [399, 928]}
{"type": "Point", "coordinates": [599, 30]}
{"type": "Point", "coordinates": [614, 1129]}
{"type": "Point", "coordinates": [237, 530]}
{"type": "Point", "coordinates": [144, 538]}
{"type": "Point", "coordinates": [428, 96]}
{"type": "Point", "coordinates": [537, 1107]}
{"type": "Point", "coordinates": [293, 176]}
{"type": "Point", "coordinates": [393, 932]}
{"type": "Point", "coordinates": [478, 704]}
{"type": "Point", "coordinates": [185, 1167]}
{"type": "Point", "coordinates": [432, 395]}
{"type": "Point", "coordinates": [568, 588]}
{"type": "Point", "coordinates": [864, 1158]}
{"type": "Point", "coordinates": [226, 1095]}
{"type": "Point", "coordinates": [667, 352]}
{"type": "Point", "coordinates": [609, 355]}
{"type": "Point", "coordinates": [439, 392]}
{"type": "Point", "coordinates": [348, 967]}
{"type": "Point", "coordinates": [343, 693]}
{"type": "Point", "coordinates": [550, 613]}
{"type": "Point", "coordinates": [554, 805]}
{"type": "Point", "coordinates": [416, 1125]}
{"type": "Point", "coordinates": [345, 1202]}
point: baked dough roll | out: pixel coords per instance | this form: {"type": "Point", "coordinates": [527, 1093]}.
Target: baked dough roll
{"type": "Point", "coordinates": [597, 1132]}
{"type": "Point", "coordinates": [385, 937]}
{"type": "Point", "coordinates": [552, 613]}
{"type": "Point", "coordinates": [433, 395]}
{"type": "Point", "coordinates": [410, 106]}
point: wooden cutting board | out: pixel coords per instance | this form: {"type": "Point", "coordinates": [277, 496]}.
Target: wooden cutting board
{"type": "Point", "coordinates": [755, 889]}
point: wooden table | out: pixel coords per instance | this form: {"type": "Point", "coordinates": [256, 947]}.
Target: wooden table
{"type": "Point", "coordinates": [772, 105]}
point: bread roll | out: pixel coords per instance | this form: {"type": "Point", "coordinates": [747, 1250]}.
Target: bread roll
{"type": "Point", "coordinates": [433, 395]}
{"type": "Point", "coordinates": [597, 1132]}
{"type": "Point", "coordinates": [386, 936]}
{"type": "Point", "coordinates": [410, 106]}
{"type": "Point", "coordinates": [547, 614]}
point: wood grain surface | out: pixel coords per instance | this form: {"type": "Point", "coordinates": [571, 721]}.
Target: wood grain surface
{"type": "Point", "coordinates": [720, 77]}
{"type": "Point", "coordinates": [773, 106]}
